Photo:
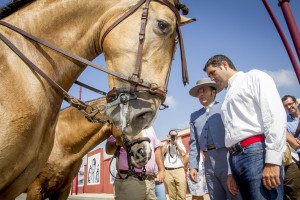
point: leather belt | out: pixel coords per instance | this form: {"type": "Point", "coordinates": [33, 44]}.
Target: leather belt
{"type": "Point", "coordinates": [246, 142]}
{"type": "Point", "coordinates": [211, 147]}
{"type": "Point", "coordinates": [149, 176]}
{"type": "Point", "coordinates": [172, 168]}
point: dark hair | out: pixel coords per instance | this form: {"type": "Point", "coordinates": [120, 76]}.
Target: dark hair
{"type": "Point", "coordinates": [182, 7]}
{"type": "Point", "coordinates": [174, 131]}
{"type": "Point", "coordinates": [284, 98]}
{"type": "Point", "coordinates": [216, 60]}
{"type": "Point", "coordinates": [213, 88]}
{"type": "Point", "coordinates": [12, 7]}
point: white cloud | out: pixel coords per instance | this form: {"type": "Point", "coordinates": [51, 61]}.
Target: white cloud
{"type": "Point", "coordinates": [283, 78]}
{"type": "Point", "coordinates": [170, 101]}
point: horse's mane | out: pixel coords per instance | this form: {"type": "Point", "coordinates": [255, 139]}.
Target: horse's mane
{"type": "Point", "coordinates": [12, 7]}
{"type": "Point", "coordinates": [15, 5]}
{"type": "Point", "coordinates": [182, 7]}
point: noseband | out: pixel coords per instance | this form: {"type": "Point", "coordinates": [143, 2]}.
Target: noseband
{"type": "Point", "coordinates": [117, 95]}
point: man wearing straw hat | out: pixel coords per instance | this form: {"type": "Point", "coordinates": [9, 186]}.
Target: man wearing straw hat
{"type": "Point", "coordinates": [207, 134]}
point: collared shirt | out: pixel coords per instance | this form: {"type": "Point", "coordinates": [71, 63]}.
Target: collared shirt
{"type": "Point", "coordinates": [173, 158]}
{"type": "Point", "coordinates": [207, 108]}
{"type": "Point", "coordinates": [154, 142]}
{"type": "Point", "coordinates": [252, 106]}
{"type": "Point", "coordinates": [292, 124]}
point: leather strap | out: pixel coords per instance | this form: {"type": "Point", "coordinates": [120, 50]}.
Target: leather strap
{"type": "Point", "coordinates": [75, 57]}
{"type": "Point", "coordinates": [185, 77]}
{"type": "Point", "coordinates": [90, 88]}
{"type": "Point", "coordinates": [127, 14]}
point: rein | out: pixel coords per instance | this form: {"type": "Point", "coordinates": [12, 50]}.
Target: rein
{"type": "Point", "coordinates": [117, 95]}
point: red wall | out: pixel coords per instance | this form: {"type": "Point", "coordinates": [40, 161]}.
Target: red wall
{"type": "Point", "coordinates": [98, 188]}
{"type": "Point", "coordinates": [108, 188]}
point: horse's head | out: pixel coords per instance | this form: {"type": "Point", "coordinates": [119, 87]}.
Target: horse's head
{"type": "Point", "coordinates": [143, 57]}
{"type": "Point", "coordinates": [137, 147]}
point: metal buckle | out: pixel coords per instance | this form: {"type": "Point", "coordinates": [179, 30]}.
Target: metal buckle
{"type": "Point", "coordinates": [235, 148]}
{"type": "Point", "coordinates": [123, 98]}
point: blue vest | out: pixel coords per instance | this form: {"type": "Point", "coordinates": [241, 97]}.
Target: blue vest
{"type": "Point", "coordinates": [208, 127]}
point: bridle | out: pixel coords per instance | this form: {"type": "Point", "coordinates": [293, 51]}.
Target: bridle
{"type": "Point", "coordinates": [115, 96]}
{"type": "Point", "coordinates": [131, 171]}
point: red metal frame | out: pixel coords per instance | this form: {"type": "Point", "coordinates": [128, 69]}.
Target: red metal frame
{"type": "Point", "coordinates": [284, 4]}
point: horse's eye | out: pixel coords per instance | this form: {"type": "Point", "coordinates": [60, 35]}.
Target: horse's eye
{"type": "Point", "coordinates": [163, 26]}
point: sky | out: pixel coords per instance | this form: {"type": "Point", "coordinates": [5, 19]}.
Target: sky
{"type": "Point", "coordinates": [239, 29]}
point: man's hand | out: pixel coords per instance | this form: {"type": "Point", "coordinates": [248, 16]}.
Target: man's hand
{"type": "Point", "coordinates": [194, 175]}
{"type": "Point", "coordinates": [160, 176]}
{"type": "Point", "coordinates": [233, 189]}
{"type": "Point", "coordinates": [270, 176]}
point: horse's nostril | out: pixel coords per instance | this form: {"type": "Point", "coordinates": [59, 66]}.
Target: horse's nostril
{"type": "Point", "coordinates": [142, 152]}
{"type": "Point", "coordinates": [144, 115]}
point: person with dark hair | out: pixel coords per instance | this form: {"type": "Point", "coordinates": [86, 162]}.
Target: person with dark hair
{"type": "Point", "coordinates": [255, 127]}
{"type": "Point", "coordinates": [292, 172]}
{"type": "Point", "coordinates": [292, 107]}
{"type": "Point", "coordinates": [175, 181]}
{"type": "Point", "coordinates": [207, 134]}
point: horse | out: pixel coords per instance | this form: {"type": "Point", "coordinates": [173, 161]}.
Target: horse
{"type": "Point", "coordinates": [75, 136]}
{"type": "Point", "coordinates": [35, 73]}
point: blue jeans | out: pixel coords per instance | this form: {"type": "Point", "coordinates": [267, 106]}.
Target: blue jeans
{"type": "Point", "coordinates": [160, 192]}
{"type": "Point", "coordinates": [247, 166]}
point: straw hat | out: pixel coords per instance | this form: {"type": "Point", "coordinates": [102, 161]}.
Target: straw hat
{"type": "Point", "coordinates": [202, 83]}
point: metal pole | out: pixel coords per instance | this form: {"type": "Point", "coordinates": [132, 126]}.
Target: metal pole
{"type": "Point", "coordinates": [291, 23]}
{"type": "Point", "coordinates": [76, 184]}
{"type": "Point", "coordinates": [284, 40]}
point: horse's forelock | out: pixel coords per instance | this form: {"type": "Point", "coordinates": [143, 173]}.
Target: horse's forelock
{"type": "Point", "coordinates": [182, 7]}
{"type": "Point", "coordinates": [12, 7]}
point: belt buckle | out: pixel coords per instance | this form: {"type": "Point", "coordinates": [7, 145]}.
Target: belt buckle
{"type": "Point", "coordinates": [211, 147]}
{"type": "Point", "coordinates": [235, 148]}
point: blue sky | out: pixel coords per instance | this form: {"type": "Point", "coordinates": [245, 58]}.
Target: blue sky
{"type": "Point", "coordinates": [242, 30]}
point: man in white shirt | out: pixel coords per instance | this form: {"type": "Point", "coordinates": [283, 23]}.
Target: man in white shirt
{"type": "Point", "coordinates": [173, 151]}
{"type": "Point", "coordinates": [255, 126]}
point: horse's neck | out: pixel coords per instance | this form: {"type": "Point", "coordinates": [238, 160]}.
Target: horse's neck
{"type": "Point", "coordinates": [71, 25]}
{"type": "Point", "coordinates": [76, 135]}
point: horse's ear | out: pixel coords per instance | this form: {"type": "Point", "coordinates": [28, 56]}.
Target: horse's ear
{"type": "Point", "coordinates": [185, 20]}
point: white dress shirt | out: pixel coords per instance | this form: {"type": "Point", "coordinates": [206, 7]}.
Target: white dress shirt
{"type": "Point", "coordinates": [207, 108]}
{"type": "Point", "coordinates": [252, 106]}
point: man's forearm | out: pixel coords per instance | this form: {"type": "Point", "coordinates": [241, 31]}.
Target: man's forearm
{"type": "Point", "coordinates": [164, 149]}
{"type": "Point", "coordinates": [181, 151]}
{"type": "Point", "coordinates": [159, 159]}
{"type": "Point", "coordinates": [292, 141]}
